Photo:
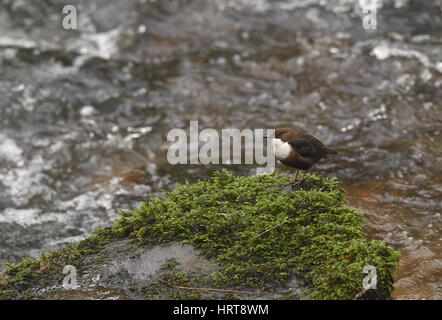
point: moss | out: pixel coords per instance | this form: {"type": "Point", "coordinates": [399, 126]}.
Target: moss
{"type": "Point", "coordinates": [260, 234]}
{"type": "Point", "coordinates": [318, 238]}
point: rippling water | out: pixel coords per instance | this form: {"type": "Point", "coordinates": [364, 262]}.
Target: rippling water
{"type": "Point", "coordinates": [84, 113]}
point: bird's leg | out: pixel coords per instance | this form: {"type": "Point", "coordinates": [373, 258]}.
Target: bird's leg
{"type": "Point", "coordinates": [295, 181]}
{"type": "Point", "coordinates": [296, 175]}
{"type": "Point", "coordinates": [303, 177]}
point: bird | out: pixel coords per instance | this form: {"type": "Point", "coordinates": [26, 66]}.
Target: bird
{"type": "Point", "coordinates": [296, 149]}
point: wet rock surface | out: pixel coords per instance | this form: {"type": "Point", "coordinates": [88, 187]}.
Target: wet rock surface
{"type": "Point", "coordinates": [125, 269]}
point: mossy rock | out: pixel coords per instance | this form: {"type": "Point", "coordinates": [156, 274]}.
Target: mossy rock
{"type": "Point", "coordinates": [260, 235]}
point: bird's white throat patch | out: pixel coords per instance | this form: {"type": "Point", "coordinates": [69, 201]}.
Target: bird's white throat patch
{"type": "Point", "coordinates": [282, 149]}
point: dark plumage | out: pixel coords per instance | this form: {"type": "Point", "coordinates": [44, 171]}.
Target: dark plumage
{"type": "Point", "coordinates": [299, 150]}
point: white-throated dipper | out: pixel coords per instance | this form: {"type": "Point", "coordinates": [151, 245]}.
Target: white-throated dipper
{"type": "Point", "coordinates": [298, 150]}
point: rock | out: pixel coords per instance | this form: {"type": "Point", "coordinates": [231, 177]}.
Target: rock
{"type": "Point", "coordinates": [228, 237]}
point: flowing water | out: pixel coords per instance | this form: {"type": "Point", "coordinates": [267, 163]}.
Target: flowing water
{"type": "Point", "coordinates": [84, 114]}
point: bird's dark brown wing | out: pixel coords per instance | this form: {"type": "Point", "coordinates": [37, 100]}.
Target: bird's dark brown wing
{"type": "Point", "coordinates": [308, 146]}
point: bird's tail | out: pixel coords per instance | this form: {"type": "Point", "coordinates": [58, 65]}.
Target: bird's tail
{"type": "Point", "coordinates": [330, 151]}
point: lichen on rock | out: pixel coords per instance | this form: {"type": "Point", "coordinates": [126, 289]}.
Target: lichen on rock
{"type": "Point", "coordinates": [260, 235]}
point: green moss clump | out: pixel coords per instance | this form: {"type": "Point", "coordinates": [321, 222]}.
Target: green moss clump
{"type": "Point", "coordinates": [260, 234]}
{"type": "Point", "coordinates": [314, 236]}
